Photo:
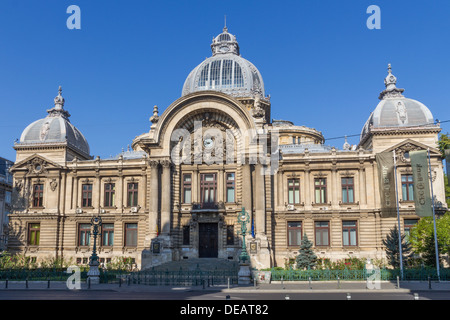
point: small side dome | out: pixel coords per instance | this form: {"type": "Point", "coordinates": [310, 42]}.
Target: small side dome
{"type": "Point", "coordinates": [396, 111]}
{"type": "Point", "coordinates": [55, 129]}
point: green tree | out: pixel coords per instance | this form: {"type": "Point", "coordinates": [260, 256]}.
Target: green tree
{"type": "Point", "coordinates": [393, 250]}
{"type": "Point", "coordinates": [422, 237]}
{"type": "Point", "coordinates": [306, 258]}
{"type": "Point", "coordinates": [443, 143]}
{"type": "Point", "coordinates": [447, 190]}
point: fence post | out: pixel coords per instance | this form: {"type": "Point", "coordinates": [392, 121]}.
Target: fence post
{"type": "Point", "coordinates": [6, 283]}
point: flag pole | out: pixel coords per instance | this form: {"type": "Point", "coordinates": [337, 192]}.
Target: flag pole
{"type": "Point", "coordinates": [398, 218]}
{"type": "Point", "coordinates": [434, 218]}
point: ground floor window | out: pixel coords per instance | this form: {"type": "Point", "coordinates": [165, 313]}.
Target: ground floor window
{"type": "Point", "coordinates": [186, 235]}
{"type": "Point", "coordinates": [322, 231]}
{"type": "Point", "coordinates": [108, 234]}
{"type": "Point", "coordinates": [131, 235]}
{"type": "Point", "coordinates": [294, 230]}
{"type": "Point", "coordinates": [34, 232]}
{"type": "Point", "coordinates": [349, 233]}
{"type": "Point", "coordinates": [230, 235]}
{"type": "Point", "coordinates": [408, 225]}
{"type": "Point", "coordinates": [84, 234]}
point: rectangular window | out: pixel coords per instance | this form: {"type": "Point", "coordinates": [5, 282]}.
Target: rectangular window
{"type": "Point", "coordinates": [230, 187]}
{"type": "Point", "coordinates": [34, 232]}
{"type": "Point", "coordinates": [110, 192]}
{"type": "Point", "coordinates": [407, 187]}
{"type": "Point", "coordinates": [349, 233]}
{"type": "Point", "coordinates": [227, 71]}
{"type": "Point", "coordinates": [348, 188]}
{"type": "Point", "coordinates": [293, 191]}
{"type": "Point", "coordinates": [294, 233]}
{"type": "Point", "coordinates": [186, 235]}
{"type": "Point", "coordinates": [86, 195]}
{"type": "Point", "coordinates": [108, 234]}
{"type": "Point", "coordinates": [230, 235]}
{"type": "Point", "coordinates": [208, 187]}
{"type": "Point", "coordinates": [38, 195]}
{"type": "Point", "coordinates": [132, 194]}
{"type": "Point", "coordinates": [322, 231]}
{"type": "Point", "coordinates": [84, 234]}
{"type": "Point", "coordinates": [408, 225]}
{"type": "Point", "coordinates": [214, 77]}
{"type": "Point", "coordinates": [187, 188]}
{"type": "Point", "coordinates": [320, 189]}
{"type": "Point", "coordinates": [131, 235]}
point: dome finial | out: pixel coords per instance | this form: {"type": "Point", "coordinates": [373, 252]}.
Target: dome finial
{"type": "Point", "coordinates": [390, 80]}
{"type": "Point", "coordinates": [225, 29]}
{"type": "Point", "coordinates": [390, 83]}
{"type": "Point", "coordinates": [59, 100]}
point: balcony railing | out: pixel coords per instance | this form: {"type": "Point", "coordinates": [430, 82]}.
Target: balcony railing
{"type": "Point", "coordinates": [208, 205]}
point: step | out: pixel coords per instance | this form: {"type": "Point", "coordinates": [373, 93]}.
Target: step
{"type": "Point", "coordinates": [204, 264]}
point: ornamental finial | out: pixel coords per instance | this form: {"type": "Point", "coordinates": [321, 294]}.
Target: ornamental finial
{"type": "Point", "coordinates": [59, 100]}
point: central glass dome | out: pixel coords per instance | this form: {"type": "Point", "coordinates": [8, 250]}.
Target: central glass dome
{"type": "Point", "coordinates": [226, 71]}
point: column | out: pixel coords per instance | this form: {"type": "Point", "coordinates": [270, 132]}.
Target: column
{"type": "Point", "coordinates": [165, 197]}
{"type": "Point", "coordinates": [309, 194]}
{"type": "Point", "coordinates": [153, 205]}
{"type": "Point", "coordinates": [247, 188]}
{"type": "Point", "coordinates": [260, 205]}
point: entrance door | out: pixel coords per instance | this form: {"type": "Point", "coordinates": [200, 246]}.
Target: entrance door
{"type": "Point", "coordinates": [208, 240]}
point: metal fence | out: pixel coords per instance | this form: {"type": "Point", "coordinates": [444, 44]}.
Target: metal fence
{"type": "Point", "coordinates": [221, 277]}
{"type": "Point", "coordinates": [37, 274]}
{"type": "Point", "coordinates": [422, 274]}
{"type": "Point", "coordinates": [179, 278]}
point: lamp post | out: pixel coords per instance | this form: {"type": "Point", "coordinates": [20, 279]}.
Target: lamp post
{"type": "Point", "coordinates": [243, 219]}
{"type": "Point", "coordinates": [244, 267]}
{"type": "Point", "coordinates": [94, 273]}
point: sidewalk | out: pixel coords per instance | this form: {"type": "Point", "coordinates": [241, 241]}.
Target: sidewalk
{"type": "Point", "coordinates": [274, 287]}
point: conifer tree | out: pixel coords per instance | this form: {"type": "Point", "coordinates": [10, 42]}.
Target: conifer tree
{"type": "Point", "coordinates": [306, 258]}
{"type": "Point", "coordinates": [393, 249]}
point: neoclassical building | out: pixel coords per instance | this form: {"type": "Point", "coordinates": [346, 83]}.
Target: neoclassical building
{"type": "Point", "coordinates": [177, 193]}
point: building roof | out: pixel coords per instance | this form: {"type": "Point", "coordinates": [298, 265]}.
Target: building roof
{"type": "Point", "coordinates": [56, 128]}
{"type": "Point", "coordinates": [395, 110]}
{"type": "Point", "coordinates": [225, 71]}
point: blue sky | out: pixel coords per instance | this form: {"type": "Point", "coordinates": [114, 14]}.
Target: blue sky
{"type": "Point", "coordinates": [320, 63]}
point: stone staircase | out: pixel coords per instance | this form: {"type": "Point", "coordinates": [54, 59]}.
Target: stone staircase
{"type": "Point", "coordinates": [204, 264]}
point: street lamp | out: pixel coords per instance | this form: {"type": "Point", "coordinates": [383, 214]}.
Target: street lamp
{"type": "Point", "coordinates": [243, 219]}
{"type": "Point", "coordinates": [94, 273]}
{"type": "Point", "coordinates": [244, 267]}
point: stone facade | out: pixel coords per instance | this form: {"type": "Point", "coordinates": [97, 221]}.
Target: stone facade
{"type": "Point", "coordinates": [177, 194]}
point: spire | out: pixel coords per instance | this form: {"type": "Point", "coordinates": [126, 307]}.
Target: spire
{"type": "Point", "coordinates": [59, 100]}
{"type": "Point", "coordinates": [225, 29]}
{"type": "Point", "coordinates": [154, 119]}
{"type": "Point", "coordinates": [391, 90]}
{"type": "Point", "coordinates": [58, 109]}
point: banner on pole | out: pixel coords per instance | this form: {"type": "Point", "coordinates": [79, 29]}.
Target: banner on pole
{"type": "Point", "coordinates": [422, 197]}
{"type": "Point", "coordinates": [385, 164]}
{"type": "Point", "coordinates": [447, 161]}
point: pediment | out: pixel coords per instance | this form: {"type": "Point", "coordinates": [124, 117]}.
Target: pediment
{"type": "Point", "coordinates": [35, 164]}
{"type": "Point", "coordinates": [410, 145]}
